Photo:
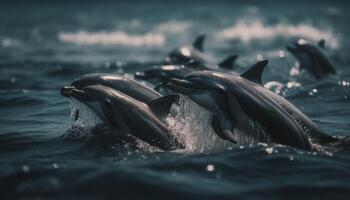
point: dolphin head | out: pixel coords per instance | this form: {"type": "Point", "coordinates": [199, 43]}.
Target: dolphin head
{"type": "Point", "coordinates": [203, 88]}
{"type": "Point", "coordinates": [302, 51]}
{"type": "Point", "coordinates": [312, 57]}
{"type": "Point", "coordinates": [180, 55]}
{"type": "Point", "coordinates": [163, 73]}
{"type": "Point", "coordinates": [95, 97]}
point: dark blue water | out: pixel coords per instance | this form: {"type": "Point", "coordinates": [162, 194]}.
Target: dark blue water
{"type": "Point", "coordinates": [44, 46]}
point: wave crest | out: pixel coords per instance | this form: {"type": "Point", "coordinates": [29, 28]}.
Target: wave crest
{"type": "Point", "coordinates": [256, 30]}
{"type": "Point", "coordinates": [112, 38]}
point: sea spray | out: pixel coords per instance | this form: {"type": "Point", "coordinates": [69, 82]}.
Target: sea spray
{"type": "Point", "coordinates": [191, 124]}
{"type": "Point", "coordinates": [83, 120]}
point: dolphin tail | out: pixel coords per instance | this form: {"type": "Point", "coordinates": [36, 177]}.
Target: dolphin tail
{"type": "Point", "coordinates": [228, 62]}
{"type": "Point", "coordinates": [161, 106]}
{"type": "Point", "coordinates": [198, 43]}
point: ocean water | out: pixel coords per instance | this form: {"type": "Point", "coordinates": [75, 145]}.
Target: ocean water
{"type": "Point", "coordinates": [45, 45]}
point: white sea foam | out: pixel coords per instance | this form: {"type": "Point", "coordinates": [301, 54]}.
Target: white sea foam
{"type": "Point", "coordinates": [192, 126]}
{"type": "Point", "coordinates": [81, 127]}
{"type": "Point", "coordinates": [112, 38]}
{"type": "Point", "coordinates": [256, 30]}
{"type": "Point", "coordinates": [173, 27]}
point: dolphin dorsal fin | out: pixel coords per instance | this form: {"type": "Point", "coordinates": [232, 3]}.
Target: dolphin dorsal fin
{"type": "Point", "coordinates": [322, 43]}
{"type": "Point", "coordinates": [228, 62]}
{"type": "Point", "coordinates": [161, 106]}
{"type": "Point", "coordinates": [198, 43]}
{"type": "Point", "coordinates": [254, 73]}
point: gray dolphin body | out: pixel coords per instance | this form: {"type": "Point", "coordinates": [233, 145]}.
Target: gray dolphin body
{"type": "Point", "coordinates": [312, 58]}
{"type": "Point", "coordinates": [125, 85]}
{"type": "Point", "coordinates": [242, 106]}
{"type": "Point", "coordinates": [195, 52]}
{"type": "Point", "coordinates": [164, 73]}
{"type": "Point", "coordinates": [128, 116]}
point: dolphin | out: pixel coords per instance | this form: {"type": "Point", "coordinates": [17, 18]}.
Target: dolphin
{"type": "Point", "coordinates": [126, 85]}
{"type": "Point", "coordinates": [128, 116]}
{"type": "Point", "coordinates": [312, 58]}
{"type": "Point", "coordinates": [164, 73]}
{"type": "Point", "coordinates": [241, 106]}
{"type": "Point", "coordinates": [195, 52]}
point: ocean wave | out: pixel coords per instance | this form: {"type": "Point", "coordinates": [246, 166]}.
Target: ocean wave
{"type": "Point", "coordinates": [112, 38]}
{"type": "Point", "coordinates": [173, 27]}
{"type": "Point", "coordinates": [256, 30]}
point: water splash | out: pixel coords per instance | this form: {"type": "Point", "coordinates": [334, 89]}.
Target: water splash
{"type": "Point", "coordinates": [112, 38]}
{"type": "Point", "coordinates": [173, 27]}
{"type": "Point", "coordinates": [191, 124]}
{"type": "Point", "coordinates": [256, 30]}
{"type": "Point", "coordinates": [81, 126]}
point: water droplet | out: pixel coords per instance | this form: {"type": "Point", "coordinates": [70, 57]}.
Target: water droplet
{"type": "Point", "coordinates": [259, 57]}
{"type": "Point", "coordinates": [25, 169]}
{"type": "Point", "coordinates": [281, 54]}
{"type": "Point", "coordinates": [269, 150]}
{"type": "Point", "coordinates": [313, 92]}
{"type": "Point", "coordinates": [55, 165]}
{"type": "Point", "coordinates": [210, 168]}
{"type": "Point", "coordinates": [293, 84]}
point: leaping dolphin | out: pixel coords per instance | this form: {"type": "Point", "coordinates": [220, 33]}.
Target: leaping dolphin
{"type": "Point", "coordinates": [129, 116]}
{"type": "Point", "coordinates": [242, 107]}
{"type": "Point", "coordinates": [312, 58]}
{"type": "Point", "coordinates": [195, 52]}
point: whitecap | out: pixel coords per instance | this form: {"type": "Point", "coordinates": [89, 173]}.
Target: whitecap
{"type": "Point", "coordinates": [112, 38]}
{"type": "Point", "coordinates": [256, 30]}
{"type": "Point", "coordinates": [173, 27]}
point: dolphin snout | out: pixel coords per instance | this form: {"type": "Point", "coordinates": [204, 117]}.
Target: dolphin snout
{"type": "Point", "coordinates": [67, 90]}
{"type": "Point", "coordinates": [80, 95]}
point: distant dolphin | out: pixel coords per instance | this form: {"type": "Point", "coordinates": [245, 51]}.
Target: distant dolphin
{"type": "Point", "coordinates": [128, 86]}
{"type": "Point", "coordinates": [164, 73]}
{"type": "Point", "coordinates": [129, 116]}
{"type": "Point", "coordinates": [195, 52]}
{"type": "Point", "coordinates": [312, 58]}
{"type": "Point", "coordinates": [242, 107]}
